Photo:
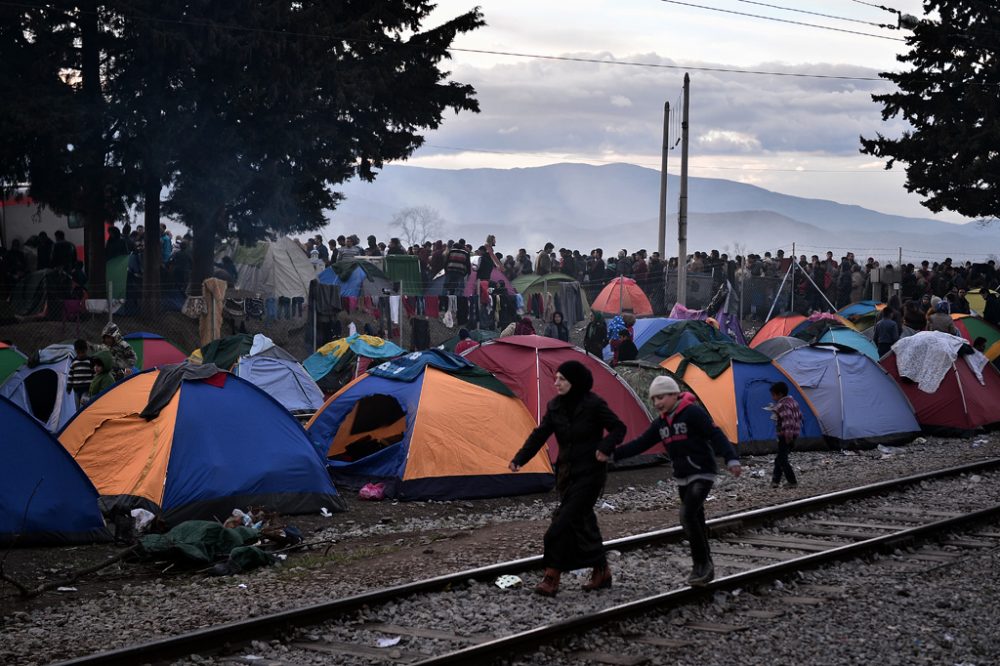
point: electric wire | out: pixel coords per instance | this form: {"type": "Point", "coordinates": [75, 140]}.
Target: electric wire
{"type": "Point", "coordinates": [779, 20]}
{"type": "Point", "coordinates": [830, 16]}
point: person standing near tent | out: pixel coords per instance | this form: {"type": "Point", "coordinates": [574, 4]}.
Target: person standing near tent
{"type": "Point", "coordinates": [557, 328]}
{"type": "Point", "coordinates": [788, 426]}
{"type": "Point", "coordinates": [886, 331]}
{"type": "Point", "coordinates": [579, 419]}
{"type": "Point", "coordinates": [457, 267]}
{"type": "Point", "coordinates": [595, 336]}
{"type": "Point", "coordinates": [122, 355]}
{"type": "Point", "coordinates": [692, 441]}
{"type": "Point", "coordinates": [103, 379]}
{"type": "Point", "coordinates": [81, 372]}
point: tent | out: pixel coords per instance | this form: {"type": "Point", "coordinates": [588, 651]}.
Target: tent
{"type": "Point", "coordinates": [527, 365]}
{"type": "Point", "coordinates": [284, 380]}
{"type": "Point", "coordinates": [531, 284]}
{"type": "Point", "coordinates": [642, 331]}
{"type": "Point", "coordinates": [819, 321]}
{"type": "Point", "coordinates": [977, 298]}
{"type": "Point", "coordinates": [429, 425]}
{"type": "Point", "coordinates": [775, 347]}
{"type": "Point", "coordinates": [152, 350]}
{"type": "Point", "coordinates": [405, 269]}
{"type": "Point", "coordinates": [356, 279]}
{"type": "Point", "coordinates": [336, 363]}
{"type": "Point", "coordinates": [275, 269]}
{"type": "Point", "coordinates": [862, 314]}
{"type": "Point", "coordinates": [777, 326]}
{"type": "Point", "coordinates": [734, 385]}
{"type": "Point", "coordinates": [938, 374]}
{"type": "Point", "coordinates": [46, 497]}
{"type": "Point", "coordinates": [855, 399]}
{"type": "Point", "coordinates": [622, 295]}
{"type": "Point", "coordinates": [846, 337]}
{"type": "Point", "coordinates": [680, 336]}
{"type": "Point", "coordinates": [10, 360]}
{"type": "Point", "coordinates": [39, 387]}
{"type": "Point", "coordinates": [973, 327]}
{"type": "Point", "coordinates": [219, 443]}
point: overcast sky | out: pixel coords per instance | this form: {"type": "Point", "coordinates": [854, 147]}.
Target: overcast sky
{"type": "Point", "coordinates": [796, 135]}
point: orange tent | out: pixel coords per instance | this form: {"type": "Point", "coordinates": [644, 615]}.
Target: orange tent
{"type": "Point", "coordinates": [782, 325]}
{"type": "Point", "coordinates": [622, 295]}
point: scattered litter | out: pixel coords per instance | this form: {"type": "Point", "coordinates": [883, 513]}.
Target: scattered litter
{"type": "Point", "coordinates": [888, 450]}
{"type": "Point", "coordinates": [242, 586]}
{"type": "Point", "coordinates": [949, 638]}
{"type": "Point", "coordinates": [372, 491]}
{"type": "Point", "coordinates": [323, 511]}
{"type": "Point", "coordinates": [252, 657]}
{"type": "Point", "coordinates": [710, 498]}
{"type": "Point", "coordinates": [388, 642]}
{"type": "Point", "coordinates": [849, 453]}
{"type": "Point", "coordinates": [281, 556]}
{"type": "Point", "coordinates": [607, 506]}
{"type": "Point", "coordinates": [508, 582]}
{"type": "Point", "coordinates": [920, 440]}
{"type": "Point", "coordinates": [142, 519]}
{"type": "Point", "coordinates": [758, 473]}
{"type": "Point", "coordinates": [979, 442]}
{"type": "Point", "coordinates": [975, 478]}
{"type": "Point", "coordinates": [580, 573]}
{"type": "Point", "coordinates": [66, 589]}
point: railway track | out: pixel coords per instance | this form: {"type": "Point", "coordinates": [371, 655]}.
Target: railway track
{"type": "Point", "coordinates": [463, 618]}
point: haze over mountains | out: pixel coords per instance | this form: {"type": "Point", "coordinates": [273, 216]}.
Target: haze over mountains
{"type": "Point", "coordinates": [617, 206]}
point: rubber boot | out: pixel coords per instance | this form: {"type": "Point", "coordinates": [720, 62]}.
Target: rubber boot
{"type": "Point", "coordinates": [549, 584]}
{"type": "Point", "coordinates": [600, 578]}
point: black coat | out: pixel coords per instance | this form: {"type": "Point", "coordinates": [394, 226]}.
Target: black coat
{"type": "Point", "coordinates": [579, 430]}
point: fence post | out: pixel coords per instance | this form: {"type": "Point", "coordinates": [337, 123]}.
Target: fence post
{"type": "Point", "coordinates": [110, 297]}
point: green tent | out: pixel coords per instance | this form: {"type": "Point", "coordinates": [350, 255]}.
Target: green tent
{"type": "Point", "coordinates": [10, 360]}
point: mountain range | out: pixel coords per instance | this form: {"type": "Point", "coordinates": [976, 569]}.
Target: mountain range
{"type": "Point", "coordinates": [617, 206]}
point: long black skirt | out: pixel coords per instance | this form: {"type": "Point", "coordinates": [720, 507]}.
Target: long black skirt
{"type": "Point", "coordinates": [573, 540]}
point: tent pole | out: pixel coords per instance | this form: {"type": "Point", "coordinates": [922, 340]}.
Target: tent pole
{"type": "Point", "coordinates": [821, 293]}
{"type": "Point", "coordinates": [791, 307]}
{"type": "Point", "coordinates": [774, 301]}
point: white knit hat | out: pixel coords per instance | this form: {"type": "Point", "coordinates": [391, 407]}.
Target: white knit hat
{"type": "Point", "coordinates": [662, 385]}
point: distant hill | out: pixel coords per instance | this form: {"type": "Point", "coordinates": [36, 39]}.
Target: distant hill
{"type": "Point", "coordinates": [617, 206]}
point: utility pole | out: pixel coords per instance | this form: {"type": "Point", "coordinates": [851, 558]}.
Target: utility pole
{"type": "Point", "coordinates": [662, 238]}
{"type": "Point", "coordinates": [683, 207]}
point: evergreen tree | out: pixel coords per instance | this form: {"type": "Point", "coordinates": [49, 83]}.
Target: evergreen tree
{"type": "Point", "coordinates": [950, 96]}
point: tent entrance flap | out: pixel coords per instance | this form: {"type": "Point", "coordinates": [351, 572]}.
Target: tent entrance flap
{"type": "Point", "coordinates": [374, 423]}
{"type": "Point", "coordinates": [42, 388]}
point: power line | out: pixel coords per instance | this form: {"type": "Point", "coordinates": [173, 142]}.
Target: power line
{"type": "Point", "coordinates": [830, 16]}
{"type": "Point", "coordinates": [871, 4]}
{"type": "Point", "coordinates": [771, 18]}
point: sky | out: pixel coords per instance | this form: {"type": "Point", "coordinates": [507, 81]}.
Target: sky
{"type": "Point", "coordinates": [795, 135]}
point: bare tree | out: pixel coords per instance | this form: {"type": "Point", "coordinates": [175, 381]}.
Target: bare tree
{"type": "Point", "coordinates": [418, 224]}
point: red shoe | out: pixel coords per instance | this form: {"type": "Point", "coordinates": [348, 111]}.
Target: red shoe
{"type": "Point", "coordinates": [600, 578]}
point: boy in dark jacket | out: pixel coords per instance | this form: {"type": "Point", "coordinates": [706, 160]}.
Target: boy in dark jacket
{"type": "Point", "coordinates": [692, 441]}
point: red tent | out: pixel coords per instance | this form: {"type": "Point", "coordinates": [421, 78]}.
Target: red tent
{"type": "Point", "coordinates": [959, 403]}
{"type": "Point", "coordinates": [527, 365]}
{"type": "Point", "coordinates": [622, 295]}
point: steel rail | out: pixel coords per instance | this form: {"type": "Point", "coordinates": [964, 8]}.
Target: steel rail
{"type": "Point", "coordinates": [214, 638]}
{"type": "Point", "coordinates": [542, 635]}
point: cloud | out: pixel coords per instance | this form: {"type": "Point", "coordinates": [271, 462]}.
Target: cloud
{"type": "Point", "coordinates": [584, 108]}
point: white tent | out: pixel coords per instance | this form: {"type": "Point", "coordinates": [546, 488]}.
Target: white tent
{"type": "Point", "coordinates": [273, 269]}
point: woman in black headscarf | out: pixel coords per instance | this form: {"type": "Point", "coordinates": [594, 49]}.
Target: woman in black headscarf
{"type": "Point", "coordinates": [579, 420]}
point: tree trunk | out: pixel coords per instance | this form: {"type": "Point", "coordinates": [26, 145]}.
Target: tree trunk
{"type": "Point", "coordinates": [153, 253]}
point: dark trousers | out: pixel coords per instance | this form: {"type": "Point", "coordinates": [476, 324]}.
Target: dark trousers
{"type": "Point", "coordinates": [693, 496]}
{"type": "Point", "coordinates": [781, 464]}
{"type": "Point", "coordinates": [573, 540]}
